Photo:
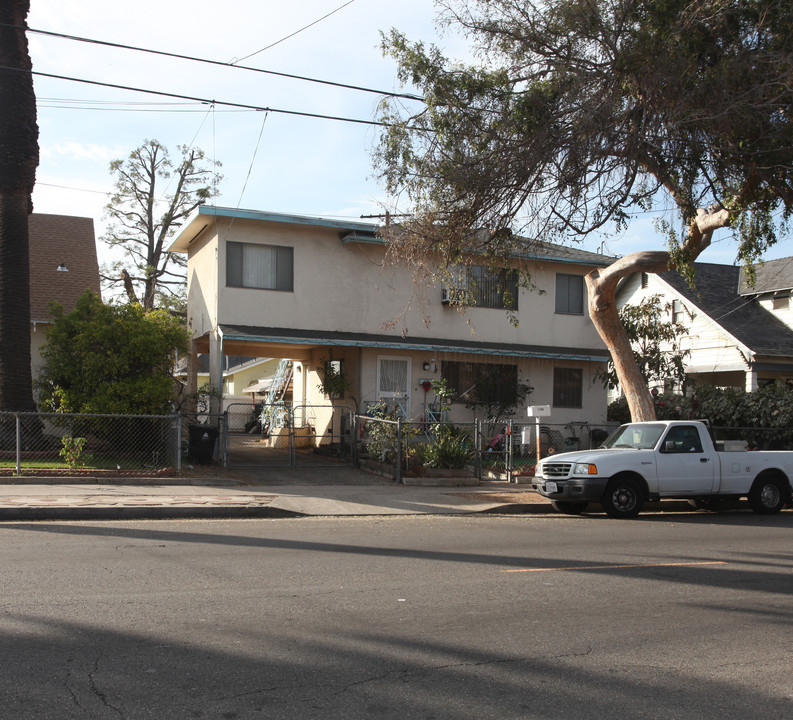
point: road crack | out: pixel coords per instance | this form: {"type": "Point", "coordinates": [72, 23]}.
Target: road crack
{"type": "Point", "coordinates": [98, 692]}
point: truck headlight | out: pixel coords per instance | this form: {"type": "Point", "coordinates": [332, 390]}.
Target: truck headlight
{"type": "Point", "coordinates": [586, 469]}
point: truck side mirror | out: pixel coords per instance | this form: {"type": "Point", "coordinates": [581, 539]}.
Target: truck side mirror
{"type": "Point", "coordinates": [669, 446]}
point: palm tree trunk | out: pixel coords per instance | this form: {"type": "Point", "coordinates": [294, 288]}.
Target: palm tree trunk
{"type": "Point", "coordinates": [19, 157]}
{"type": "Point", "coordinates": [16, 391]}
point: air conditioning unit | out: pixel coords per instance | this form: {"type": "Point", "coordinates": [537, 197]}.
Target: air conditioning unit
{"type": "Point", "coordinates": [451, 295]}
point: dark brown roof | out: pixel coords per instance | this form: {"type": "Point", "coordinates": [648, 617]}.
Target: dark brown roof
{"type": "Point", "coordinates": [771, 276]}
{"type": "Point", "coordinates": [56, 239]}
{"type": "Point", "coordinates": [716, 293]}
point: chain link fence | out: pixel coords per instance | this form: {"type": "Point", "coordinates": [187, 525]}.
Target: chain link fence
{"type": "Point", "coordinates": [402, 449]}
{"type": "Point", "coordinates": [285, 435]}
{"type": "Point", "coordinates": [73, 444]}
{"type": "Point", "coordinates": [70, 443]}
{"type": "Point", "coordinates": [491, 452]}
{"type": "Point", "coordinates": [752, 438]}
{"type": "Point", "coordinates": [113, 445]}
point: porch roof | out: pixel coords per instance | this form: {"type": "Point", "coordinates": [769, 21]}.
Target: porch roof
{"type": "Point", "coordinates": [285, 342]}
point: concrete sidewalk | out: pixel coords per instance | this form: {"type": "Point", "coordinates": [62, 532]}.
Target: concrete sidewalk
{"type": "Point", "coordinates": [263, 493]}
{"type": "Point", "coordinates": [62, 501]}
{"type": "Point", "coordinates": [270, 493]}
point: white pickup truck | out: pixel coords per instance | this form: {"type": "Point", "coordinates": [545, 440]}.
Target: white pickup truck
{"type": "Point", "coordinates": [669, 459]}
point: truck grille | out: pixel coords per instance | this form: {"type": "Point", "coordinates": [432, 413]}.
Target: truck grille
{"type": "Point", "coordinates": [556, 470]}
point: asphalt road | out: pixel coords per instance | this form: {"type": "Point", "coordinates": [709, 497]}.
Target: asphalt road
{"type": "Point", "coordinates": [682, 616]}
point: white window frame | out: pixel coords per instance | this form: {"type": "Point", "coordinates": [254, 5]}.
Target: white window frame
{"type": "Point", "coordinates": [394, 396]}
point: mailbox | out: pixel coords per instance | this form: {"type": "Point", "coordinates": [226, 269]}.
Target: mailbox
{"type": "Point", "coordinates": [539, 410]}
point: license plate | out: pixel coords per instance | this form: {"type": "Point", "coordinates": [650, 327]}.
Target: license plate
{"type": "Point", "coordinates": [551, 487]}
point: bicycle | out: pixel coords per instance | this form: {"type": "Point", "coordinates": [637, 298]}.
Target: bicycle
{"type": "Point", "coordinates": [573, 440]}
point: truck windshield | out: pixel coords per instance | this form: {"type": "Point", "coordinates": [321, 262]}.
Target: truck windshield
{"type": "Point", "coordinates": [640, 437]}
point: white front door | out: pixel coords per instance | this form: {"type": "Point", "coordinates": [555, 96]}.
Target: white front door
{"type": "Point", "coordinates": [393, 382]}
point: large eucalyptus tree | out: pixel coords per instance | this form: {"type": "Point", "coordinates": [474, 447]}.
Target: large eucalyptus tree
{"type": "Point", "coordinates": [577, 113]}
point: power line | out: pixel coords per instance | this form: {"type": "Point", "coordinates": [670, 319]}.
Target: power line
{"type": "Point", "coordinates": [296, 32]}
{"type": "Point", "coordinates": [206, 101]}
{"type": "Point", "coordinates": [290, 76]}
{"type": "Point", "coordinates": [76, 189]}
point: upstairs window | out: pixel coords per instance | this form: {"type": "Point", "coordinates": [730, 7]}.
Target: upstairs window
{"type": "Point", "coordinates": [479, 286]}
{"type": "Point", "coordinates": [569, 294]}
{"type": "Point", "coordinates": [267, 267]}
{"type": "Point", "coordinates": [781, 301]}
{"type": "Point", "coordinates": [678, 312]}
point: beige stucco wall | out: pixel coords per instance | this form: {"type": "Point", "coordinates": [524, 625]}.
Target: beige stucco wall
{"type": "Point", "coordinates": [535, 372]}
{"type": "Point", "coordinates": [348, 288]}
{"type": "Point", "coordinates": [202, 282]}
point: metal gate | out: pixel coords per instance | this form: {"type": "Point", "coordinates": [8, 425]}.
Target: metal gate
{"type": "Point", "coordinates": [285, 435]}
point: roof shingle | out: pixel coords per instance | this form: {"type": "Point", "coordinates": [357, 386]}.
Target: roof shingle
{"type": "Point", "coordinates": [56, 239]}
{"type": "Point", "coordinates": [717, 294]}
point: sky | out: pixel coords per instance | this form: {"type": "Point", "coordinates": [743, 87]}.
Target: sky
{"type": "Point", "coordinates": [270, 161]}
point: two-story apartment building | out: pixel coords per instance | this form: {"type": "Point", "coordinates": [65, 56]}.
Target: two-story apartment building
{"type": "Point", "coordinates": [318, 290]}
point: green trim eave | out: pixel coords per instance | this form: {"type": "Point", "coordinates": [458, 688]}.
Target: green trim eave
{"type": "Point", "coordinates": [422, 346]}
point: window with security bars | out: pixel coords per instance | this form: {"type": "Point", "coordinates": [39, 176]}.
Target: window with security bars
{"type": "Point", "coordinates": [266, 267]}
{"type": "Point", "coordinates": [481, 383]}
{"type": "Point", "coordinates": [567, 387]}
{"type": "Point", "coordinates": [480, 286]}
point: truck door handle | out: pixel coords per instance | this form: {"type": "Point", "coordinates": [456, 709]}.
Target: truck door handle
{"type": "Point", "coordinates": [704, 459]}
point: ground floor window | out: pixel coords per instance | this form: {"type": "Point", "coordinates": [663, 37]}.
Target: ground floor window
{"type": "Point", "coordinates": [482, 383]}
{"type": "Point", "coordinates": [567, 387]}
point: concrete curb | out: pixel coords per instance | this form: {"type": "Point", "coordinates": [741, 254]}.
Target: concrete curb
{"type": "Point", "coordinates": [38, 514]}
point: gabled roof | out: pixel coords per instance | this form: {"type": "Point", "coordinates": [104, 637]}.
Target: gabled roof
{"type": "Point", "coordinates": [352, 231]}
{"type": "Point", "coordinates": [56, 240]}
{"type": "Point", "coordinates": [771, 276]}
{"type": "Point", "coordinates": [716, 293]}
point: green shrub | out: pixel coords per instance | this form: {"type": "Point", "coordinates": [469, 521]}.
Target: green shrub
{"type": "Point", "coordinates": [72, 451]}
{"type": "Point", "coordinates": [450, 447]}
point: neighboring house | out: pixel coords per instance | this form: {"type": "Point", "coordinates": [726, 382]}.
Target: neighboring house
{"type": "Point", "coordinates": [245, 383]}
{"type": "Point", "coordinates": [63, 266]}
{"type": "Point", "coordinates": [242, 376]}
{"type": "Point", "coordinates": [737, 336]}
{"type": "Point", "coordinates": [318, 292]}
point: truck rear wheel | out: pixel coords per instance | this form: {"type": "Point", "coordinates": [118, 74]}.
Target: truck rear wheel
{"type": "Point", "coordinates": [623, 498]}
{"type": "Point", "coordinates": [768, 495]}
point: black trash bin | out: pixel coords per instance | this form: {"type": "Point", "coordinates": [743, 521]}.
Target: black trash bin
{"type": "Point", "coordinates": [201, 445]}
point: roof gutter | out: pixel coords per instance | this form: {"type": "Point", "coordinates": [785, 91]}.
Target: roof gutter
{"type": "Point", "coordinates": [423, 346]}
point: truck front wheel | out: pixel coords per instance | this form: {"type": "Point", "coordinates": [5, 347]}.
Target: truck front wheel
{"type": "Point", "coordinates": [623, 498]}
{"type": "Point", "coordinates": [768, 495]}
